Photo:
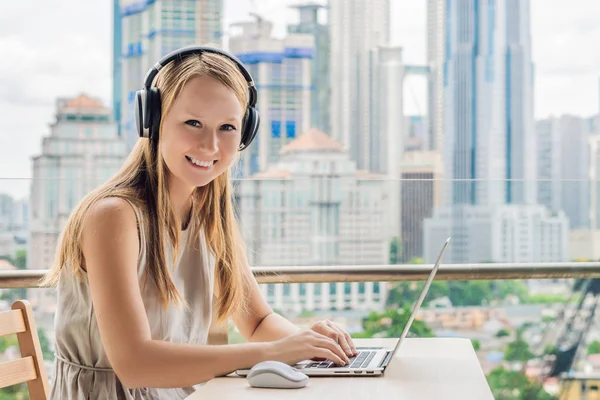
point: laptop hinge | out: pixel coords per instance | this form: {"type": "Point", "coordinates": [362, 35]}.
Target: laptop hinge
{"type": "Point", "coordinates": [386, 359]}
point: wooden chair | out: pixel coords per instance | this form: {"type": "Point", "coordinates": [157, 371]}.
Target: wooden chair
{"type": "Point", "coordinates": [29, 368]}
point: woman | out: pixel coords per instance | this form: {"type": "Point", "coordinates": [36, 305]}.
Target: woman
{"type": "Point", "coordinates": [143, 257]}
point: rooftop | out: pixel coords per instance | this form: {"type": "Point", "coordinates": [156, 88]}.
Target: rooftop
{"type": "Point", "coordinates": [82, 104]}
{"type": "Point", "coordinates": [312, 140]}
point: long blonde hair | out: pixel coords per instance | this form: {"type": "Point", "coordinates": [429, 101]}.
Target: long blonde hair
{"type": "Point", "coordinates": [143, 180]}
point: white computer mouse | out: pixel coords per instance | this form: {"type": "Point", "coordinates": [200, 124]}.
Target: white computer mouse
{"type": "Point", "coordinates": [276, 375]}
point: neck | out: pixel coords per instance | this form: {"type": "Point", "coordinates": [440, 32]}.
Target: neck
{"type": "Point", "coordinates": [181, 201]}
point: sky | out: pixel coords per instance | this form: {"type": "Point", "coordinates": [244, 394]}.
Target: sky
{"type": "Point", "coordinates": [61, 48]}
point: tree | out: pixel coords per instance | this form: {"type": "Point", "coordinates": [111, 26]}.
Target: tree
{"type": "Point", "coordinates": [460, 293]}
{"type": "Point", "coordinates": [7, 341]}
{"type": "Point", "coordinates": [395, 250]}
{"type": "Point", "coordinates": [391, 323]}
{"type": "Point", "coordinates": [503, 333]}
{"type": "Point", "coordinates": [518, 350]}
{"type": "Point", "coordinates": [476, 344]}
{"type": "Point", "coordinates": [45, 345]}
{"type": "Point", "coordinates": [514, 385]}
{"type": "Point", "coordinates": [20, 260]}
{"type": "Point", "coordinates": [15, 392]}
{"type": "Point", "coordinates": [594, 347]}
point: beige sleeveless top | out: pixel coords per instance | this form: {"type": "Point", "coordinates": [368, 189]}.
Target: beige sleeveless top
{"type": "Point", "coordinates": [82, 370]}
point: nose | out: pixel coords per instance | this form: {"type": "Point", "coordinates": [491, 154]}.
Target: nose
{"type": "Point", "coordinates": [209, 141]}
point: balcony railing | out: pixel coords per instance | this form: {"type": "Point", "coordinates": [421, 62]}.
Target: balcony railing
{"type": "Point", "coordinates": [377, 273]}
{"type": "Point", "coordinates": [369, 273]}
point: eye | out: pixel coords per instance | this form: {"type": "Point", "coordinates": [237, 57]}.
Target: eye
{"type": "Point", "coordinates": [194, 123]}
{"type": "Point", "coordinates": [228, 127]}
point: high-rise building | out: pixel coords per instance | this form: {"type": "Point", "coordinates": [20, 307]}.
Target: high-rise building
{"type": "Point", "coordinates": [149, 30]}
{"type": "Point", "coordinates": [435, 61]}
{"type": "Point", "coordinates": [321, 88]}
{"type": "Point", "coordinates": [488, 136]}
{"type": "Point", "coordinates": [421, 191]}
{"type": "Point", "coordinates": [416, 133]}
{"type": "Point", "coordinates": [315, 208]}
{"type": "Point", "coordinates": [357, 28]}
{"type": "Point", "coordinates": [510, 233]}
{"type": "Point", "coordinates": [489, 143]}
{"type": "Point", "coordinates": [117, 94]}
{"type": "Point", "coordinates": [281, 69]}
{"type": "Point", "coordinates": [82, 151]}
{"type": "Point", "coordinates": [564, 167]}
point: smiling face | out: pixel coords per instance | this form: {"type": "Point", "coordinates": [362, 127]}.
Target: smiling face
{"type": "Point", "coordinates": [201, 133]}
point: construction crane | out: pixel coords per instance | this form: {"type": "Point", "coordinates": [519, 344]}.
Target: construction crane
{"type": "Point", "coordinates": [572, 326]}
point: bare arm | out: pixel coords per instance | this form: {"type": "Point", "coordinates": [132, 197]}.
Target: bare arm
{"type": "Point", "coordinates": [261, 324]}
{"type": "Point", "coordinates": [110, 247]}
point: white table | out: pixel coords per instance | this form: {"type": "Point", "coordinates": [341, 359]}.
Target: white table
{"type": "Point", "coordinates": [423, 369]}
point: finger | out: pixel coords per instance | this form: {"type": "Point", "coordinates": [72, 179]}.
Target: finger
{"type": "Point", "coordinates": [350, 342]}
{"type": "Point", "coordinates": [345, 343]}
{"type": "Point", "coordinates": [334, 347]}
{"type": "Point", "coordinates": [329, 355]}
{"type": "Point", "coordinates": [343, 339]}
{"type": "Point", "coordinates": [338, 338]}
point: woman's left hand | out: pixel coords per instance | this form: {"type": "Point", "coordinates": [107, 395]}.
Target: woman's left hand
{"type": "Point", "coordinates": [339, 335]}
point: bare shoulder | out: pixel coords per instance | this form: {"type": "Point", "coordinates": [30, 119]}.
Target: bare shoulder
{"type": "Point", "coordinates": [109, 226]}
{"type": "Point", "coordinates": [110, 213]}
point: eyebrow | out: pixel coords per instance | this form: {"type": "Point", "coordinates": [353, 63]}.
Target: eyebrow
{"type": "Point", "coordinates": [227, 119]}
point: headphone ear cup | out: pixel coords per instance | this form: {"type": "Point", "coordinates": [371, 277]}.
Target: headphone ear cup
{"type": "Point", "coordinates": [154, 105]}
{"type": "Point", "coordinates": [251, 125]}
{"type": "Point", "coordinates": [139, 108]}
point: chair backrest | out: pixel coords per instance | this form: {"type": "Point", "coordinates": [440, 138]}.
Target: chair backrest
{"type": "Point", "coordinates": [30, 368]}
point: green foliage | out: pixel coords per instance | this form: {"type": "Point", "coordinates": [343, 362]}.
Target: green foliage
{"type": "Point", "coordinates": [8, 341]}
{"type": "Point", "coordinates": [20, 260]}
{"type": "Point", "coordinates": [546, 299]}
{"type": "Point", "coordinates": [306, 314]}
{"type": "Point", "coordinates": [503, 333]}
{"type": "Point", "coordinates": [476, 344]}
{"type": "Point", "coordinates": [518, 350]}
{"type": "Point", "coordinates": [514, 385]}
{"type": "Point", "coordinates": [460, 293]}
{"type": "Point", "coordinates": [15, 392]}
{"type": "Point", "coordinates": [391, 323]}
{"type": "Point", "coordinates": [395, 250]}
{"type": "Point", "coordinates": [550, 349]}
{"type": "Point", "coordinates": [45, 345]}
{"type": "Point", "coordinates": [594, 347]}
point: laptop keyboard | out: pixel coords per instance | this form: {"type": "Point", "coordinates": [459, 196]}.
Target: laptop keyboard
{"type": "Point", "coordinates": [359, 361]}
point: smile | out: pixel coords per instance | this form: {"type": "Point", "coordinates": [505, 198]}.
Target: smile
{"type": "Point", "coordinates": [201, 164]}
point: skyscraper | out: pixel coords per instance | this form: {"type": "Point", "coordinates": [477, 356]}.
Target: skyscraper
{"type": "Point", "coordinates": [357, 28]}
{"type": "Point", "coordinates": [435, 62]}
{"type": "Point", "coordinates": [149, 30]}
{"type": "Point", "coordinates": [116, 64]}
{"type": "Point", "coordinates": [489, 137]}
{"type": "Point", "coordinates": [320, 88]}
{"type": "Point", "coordinates": [281, 69]}
{"type": "Point", "coordinates": [489, 144]}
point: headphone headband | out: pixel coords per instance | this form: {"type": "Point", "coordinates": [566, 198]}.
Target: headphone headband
{"type": "Point", "coordinates": [189, 50]}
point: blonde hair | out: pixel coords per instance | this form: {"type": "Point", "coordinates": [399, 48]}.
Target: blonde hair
{"type": "Point", "coordinates": [143, 180]}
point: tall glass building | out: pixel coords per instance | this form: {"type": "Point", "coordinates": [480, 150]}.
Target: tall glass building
{"type": "Point", "coordinates": [149, 29]}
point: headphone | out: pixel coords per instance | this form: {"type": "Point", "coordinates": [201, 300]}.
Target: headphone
{"type": "Point", "coordinates": [148, 103]}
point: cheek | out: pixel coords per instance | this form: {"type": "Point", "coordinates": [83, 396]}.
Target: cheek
{"type": "Point", "coordinates": [230, 145]}
{"type": "Point", "coordinates": [172, 151]}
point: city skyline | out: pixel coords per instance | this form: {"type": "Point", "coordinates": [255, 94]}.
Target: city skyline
{"type": "Point", "coordinates": [74, 56]}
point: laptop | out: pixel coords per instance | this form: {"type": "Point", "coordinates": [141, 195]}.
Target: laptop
{"type": "Point", "coordinates": [370, 361]}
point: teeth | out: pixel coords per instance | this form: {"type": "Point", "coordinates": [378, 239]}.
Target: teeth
{"type": "Point", "coordinates": [201, 163]}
